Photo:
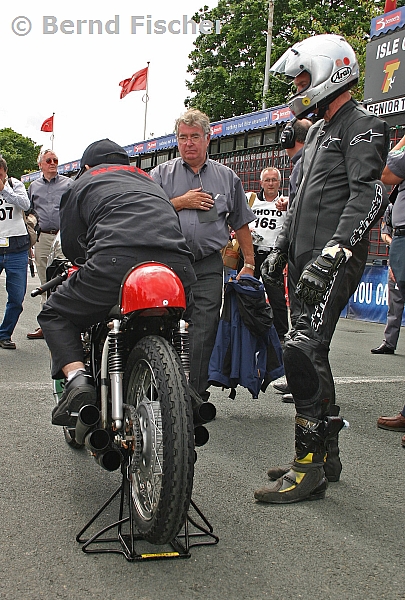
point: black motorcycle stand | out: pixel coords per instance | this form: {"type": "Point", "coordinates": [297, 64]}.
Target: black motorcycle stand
{"type": "Point", "coordinates": [202, 533]}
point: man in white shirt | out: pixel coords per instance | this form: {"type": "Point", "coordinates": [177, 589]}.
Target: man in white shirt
{"type": "Point", "coordinates": [14, 246]}
{"type": "Point", "coordinates": [269, 208]}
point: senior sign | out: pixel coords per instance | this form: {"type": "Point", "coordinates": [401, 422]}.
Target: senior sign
{"type": "Point", "coordinates": [384, 86]}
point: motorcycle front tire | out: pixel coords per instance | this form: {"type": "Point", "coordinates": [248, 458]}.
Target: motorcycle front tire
{"type": "Point", "coordinates": [161, 470]}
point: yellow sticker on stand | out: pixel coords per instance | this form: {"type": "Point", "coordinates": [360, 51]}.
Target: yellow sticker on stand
{"type": "Point", "coordinates": [160, 554]}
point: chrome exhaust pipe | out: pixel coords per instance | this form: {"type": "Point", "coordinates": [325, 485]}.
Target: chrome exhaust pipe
{"type": "Point", "coordinates": [88, 418]}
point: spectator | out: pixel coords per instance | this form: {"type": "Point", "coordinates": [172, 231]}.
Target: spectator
{"type": "Point", "coordinates": [209, 198]}
{"type": "Point", "coordinates": [141, 225]}
{"type": "Point", "coordinates": [325, 240]}
{"type": "Point", "coordinates": [292, 140]}
{"type": "Point", "coordinates": [395, 300]}
{"type": "Point", "coordinates": [266, 227]}
{"type": "Point", "coordinates": [14, 247]}
{"type": "Point", "coordinates": [394, 174]}
{"type": "Point", "coordinates": [45, 194]}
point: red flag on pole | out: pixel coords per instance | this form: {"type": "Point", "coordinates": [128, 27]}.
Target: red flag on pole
{"type": "Point", "coordinates": [136, 83]}
{"type": "Point", "coordinates": [47, 125]}
{"type": "Point", "coordinates": [390, 5]}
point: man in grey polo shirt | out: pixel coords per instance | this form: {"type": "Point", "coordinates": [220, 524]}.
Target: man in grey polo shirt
{"type": "Point", "coordinates": [209, 198]}
{"type": "Point", "coordinates": [45, 194]}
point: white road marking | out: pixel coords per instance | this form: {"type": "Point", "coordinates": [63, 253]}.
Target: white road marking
{"type": "Point", "coordinates": [351, 380]}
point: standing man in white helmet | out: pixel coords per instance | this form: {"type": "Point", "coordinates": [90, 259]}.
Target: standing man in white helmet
{"type": "Point", "coordinates": [324, 239]}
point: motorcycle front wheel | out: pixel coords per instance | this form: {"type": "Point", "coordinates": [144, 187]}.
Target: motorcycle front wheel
{"type": "Point", "coordinates": [161, 469]}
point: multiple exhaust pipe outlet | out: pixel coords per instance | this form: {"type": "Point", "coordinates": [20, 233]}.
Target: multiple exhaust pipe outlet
{"type": "Point", "coordinates": [96, 440]}
{"type": "Point", "coordinates": [203, 412]}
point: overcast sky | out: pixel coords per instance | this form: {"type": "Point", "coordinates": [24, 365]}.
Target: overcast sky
{"type": "Point", "coordinates": [50, 67]}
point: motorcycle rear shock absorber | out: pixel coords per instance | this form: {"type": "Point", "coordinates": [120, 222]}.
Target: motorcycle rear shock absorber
{"type": "Point", "coordinates": [181, 343]}
{"type": "Point", "coordinates": [116, 372]}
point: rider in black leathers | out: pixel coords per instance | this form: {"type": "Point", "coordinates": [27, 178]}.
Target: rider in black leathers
{"type": "Point", "coordinates": [112, 218]}
{"type": "Point", "coordinates": [339, 198]}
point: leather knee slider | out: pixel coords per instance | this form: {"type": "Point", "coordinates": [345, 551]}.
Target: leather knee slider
{"type": "Point", "coordinates": [308, 374]}
{"type": "Point", "coordinates": [301, 375]}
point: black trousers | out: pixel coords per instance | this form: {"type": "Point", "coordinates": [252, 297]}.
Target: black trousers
{"type": "Point", "coordinates": [85, 299]}
{"type": "Point", "coordinates": [276, 297]}
{"type": "Point", "coordinates": [207, 297]}
{"type": "Point", "coordinates": [306, 351]}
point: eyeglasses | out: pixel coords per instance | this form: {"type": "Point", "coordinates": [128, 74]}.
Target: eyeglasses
{"type": "Point", "coordinates": [195, 137]}
{"type": "Point", "coordinates": [52, 160]}
{"type": "Point", "coordinates": [269, 180]}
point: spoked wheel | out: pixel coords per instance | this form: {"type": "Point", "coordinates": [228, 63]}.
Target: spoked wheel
{"type": "Point", "coordinates": [162, 466]}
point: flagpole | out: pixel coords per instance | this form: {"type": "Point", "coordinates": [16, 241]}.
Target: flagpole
{"type": "Point", "coordinates": [268, 51]}
{"type": "Point", "coordinates": [146, 101]}
{"type": "Point", "coordinates": [53, 127]}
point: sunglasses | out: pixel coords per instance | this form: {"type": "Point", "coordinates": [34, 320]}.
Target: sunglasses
{"type": "Point", "coordinates": [52, 160]}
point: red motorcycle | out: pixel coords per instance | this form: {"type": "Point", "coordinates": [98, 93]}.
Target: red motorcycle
{"type": "Point", "coordinates": [147, 420]}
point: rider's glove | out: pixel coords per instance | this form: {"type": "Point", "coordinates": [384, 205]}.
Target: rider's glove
{"type": "Point", "coordinates": [315, 279]}
{"type": "Point", "coordinates": [273, 267]}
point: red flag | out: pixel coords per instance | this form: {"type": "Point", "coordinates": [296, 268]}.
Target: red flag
{"type": "Point", "coordinates": [390, 5]}
{"type": "Point", "coordinates": [47, 125]}
{"type": "Point", "coordinates": [135, 83]}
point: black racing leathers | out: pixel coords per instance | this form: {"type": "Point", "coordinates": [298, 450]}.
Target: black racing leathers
{"type": "Point", "coordinates": [112, 218]}
{"type": "Point", "coordinates": [339, 198]}
{"type": "Point", "coordinates": [340, 195]}
{"type": "Point", "coordinates": [120, 208]}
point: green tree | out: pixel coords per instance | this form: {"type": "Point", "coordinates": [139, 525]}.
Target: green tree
{"type": "Point", "coordinates": [20, 152]}
{"type": "Point", "coordinates": [227, 68]}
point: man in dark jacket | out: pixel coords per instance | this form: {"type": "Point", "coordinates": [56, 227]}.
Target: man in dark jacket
{"type": "Point", "coordinates": [292, 140]}
{"type": "Point", "coordinates": [113, 217]}
{"type": "Point", "coordinates": [324, 238]}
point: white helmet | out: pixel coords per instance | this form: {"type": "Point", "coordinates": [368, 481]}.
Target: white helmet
{"type": "Point", "coordinates": [332, 65]}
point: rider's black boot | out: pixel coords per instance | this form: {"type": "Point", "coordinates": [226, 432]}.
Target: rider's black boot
{"type": "Point", "coordinates": [332, 466]}
{"type": "Point", "coordinates": [78, 392]}
{"type": "Point", "coordinates": [306, 479]}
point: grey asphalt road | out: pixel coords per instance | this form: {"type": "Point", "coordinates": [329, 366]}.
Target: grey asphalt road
{"type": "Point", "coordinates": [348, 546]}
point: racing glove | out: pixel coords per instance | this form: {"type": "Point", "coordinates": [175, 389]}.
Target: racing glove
{"type": "Point", "coordinates": [273, 267]}
{"type": "Point", "coordinates": [315, 279]}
